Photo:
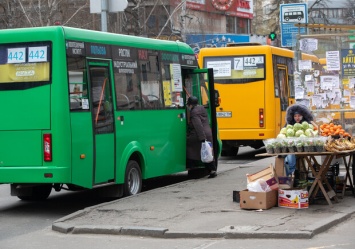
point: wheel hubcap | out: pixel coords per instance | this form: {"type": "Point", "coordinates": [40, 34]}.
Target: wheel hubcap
{"type": "Point", "coordinates": [133, 181]}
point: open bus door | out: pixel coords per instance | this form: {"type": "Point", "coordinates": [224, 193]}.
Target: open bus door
{"type": "Point", "coordinates": [200, 83]}
{"type": "Point", "coordinates": [93, 132]}
{"type": "Point", "coordinates": [284, 94]}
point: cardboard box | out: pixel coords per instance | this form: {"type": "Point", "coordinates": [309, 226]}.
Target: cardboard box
{"type": "Point", "coordinates": [268, 174]}
{"type": "Point", "coordinates": [280, 166]}
{"type": "Point", "coordinates": [285, 182]}
{"type": "Point", "coordinates": [293, 198]}
{"type": "Point", "coordinates": [258, 200]}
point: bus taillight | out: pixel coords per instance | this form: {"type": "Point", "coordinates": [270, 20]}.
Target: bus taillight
{"type": "Point", "coordinates": [261, 117]}
{"type": "Point", "coordinates": [47, 147]}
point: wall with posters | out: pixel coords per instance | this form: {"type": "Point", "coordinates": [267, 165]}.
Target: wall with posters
{"type": "Point", "coordinates": [325, 79]}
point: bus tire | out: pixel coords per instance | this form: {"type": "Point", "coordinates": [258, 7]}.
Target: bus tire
{"type": "Point", "coordinates": [133, 179]}
{"type": "Point", "coordinates": [38, 193]}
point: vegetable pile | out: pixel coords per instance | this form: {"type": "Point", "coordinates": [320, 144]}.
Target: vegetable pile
{"type": "Point", "coordinates": [298, 130]}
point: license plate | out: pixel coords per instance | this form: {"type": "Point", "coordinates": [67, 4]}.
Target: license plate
{"type": "Point", "coordinates": [224, 114]}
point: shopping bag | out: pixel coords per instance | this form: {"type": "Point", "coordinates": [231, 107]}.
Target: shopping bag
{"type": "Point", "coordinates": [206, 152]}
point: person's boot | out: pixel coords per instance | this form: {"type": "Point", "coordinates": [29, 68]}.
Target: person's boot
{"type": "Point", "coordinates": [213, 174]}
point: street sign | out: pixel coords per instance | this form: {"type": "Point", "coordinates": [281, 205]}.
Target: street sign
{"type": "Point", "coordinates": [289, 34]}
{"type": "Point", "coordinates": [294, 13]}
{"type": "Point", "coordinates": [113, 6]}
{"type": "Point", "coordinates": [289, 15]}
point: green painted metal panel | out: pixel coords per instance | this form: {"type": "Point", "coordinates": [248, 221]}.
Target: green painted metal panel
{"type": "Point", "coordinates": [34, 174]}
{"type": "Point", "coordinates": [21, 148]}
{"type": "Point", "coordinates": [160, 136]}
{"type": "Point", "coordinates": [25, 109]}
{"type": "Point", "coordinates": [82, 145]}
{"type": "Point", "coordinates": [105, 155]}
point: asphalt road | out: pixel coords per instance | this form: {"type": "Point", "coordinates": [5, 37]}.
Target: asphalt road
{"type": "Point", "coordinates": [19, 218]}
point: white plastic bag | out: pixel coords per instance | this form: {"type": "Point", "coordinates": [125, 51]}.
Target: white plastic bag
{"type": "Point", "coordinates": [259, 185]}
{"type": "Point", "coordinates": [206, 152]}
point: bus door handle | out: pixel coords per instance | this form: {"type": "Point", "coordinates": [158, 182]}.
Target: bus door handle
{"type": "Point", "coordinates": [121, 118]}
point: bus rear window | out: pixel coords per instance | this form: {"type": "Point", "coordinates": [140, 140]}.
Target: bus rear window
{"type": "Point", "coordinates": [237, 69]}
{"type": "Point", "coordinates": [24, 65]}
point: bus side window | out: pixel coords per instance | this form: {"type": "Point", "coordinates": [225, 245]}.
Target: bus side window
{"type": "Point", "coordinates": [291, 81]}
{"type": "Point", "coordinates": [77, 92]}
{"type": "Point", "coordinates": [150, 76]}
{"type": "Point", "coordinates": [283, 88]}
{"type": "Point", "coordinates": [78, 89]}
{"type": "Point", "coordinates": [127, 92]}
{"type": "Point", "coordinates": [276, 79]}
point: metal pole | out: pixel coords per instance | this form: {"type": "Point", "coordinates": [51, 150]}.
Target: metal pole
{"type": "Point", "coordinates": [104, 9]}
{"type": "Point", "coordinates": [183, 16]}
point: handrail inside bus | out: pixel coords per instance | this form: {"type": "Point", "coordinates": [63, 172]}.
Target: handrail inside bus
{"type": "Point", "coordinates": [187, 93]}
{"type": "Point", "coordinates": [101, 96]}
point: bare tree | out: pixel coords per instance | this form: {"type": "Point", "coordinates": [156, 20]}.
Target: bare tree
{"type": "Point", "coordinates": [35, 13]}
{"type": "Point", "coordinates": [350, 12]}
{"type": "Point", "coordinates": [145, 18]}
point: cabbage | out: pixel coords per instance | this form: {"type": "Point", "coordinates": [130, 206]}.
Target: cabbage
{"type": "Point", "coordinates": [305, 125]}
{"type": "Point", "coordinates": [281, 136]}
{"type": "Point", "coordinates": [289, 126]}
{"type": "Point", "coordinates": [309, 133]}
{"type": "Point", "coordinates": [303, 135]}
{"type": "Point", "coordinates": [290, 132]}
{"type": "Point", "coordinates": [310, 126]}
{"type": "Point", "coordinates": [299, 133]}
{"type": "Point", "coordinates": [297, 126]}
{"type": "Point", "coordinates": [283, 131]}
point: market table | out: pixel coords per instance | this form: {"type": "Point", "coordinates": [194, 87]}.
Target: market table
{"type": "Point", "coordinates": [319, 171]}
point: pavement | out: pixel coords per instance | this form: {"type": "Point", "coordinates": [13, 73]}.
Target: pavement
{"type": "Point", "coordinates": [204, 208]}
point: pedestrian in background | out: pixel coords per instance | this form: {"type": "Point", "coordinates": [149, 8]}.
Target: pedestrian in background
{"type": "Point", "coordinates": [199, 131]}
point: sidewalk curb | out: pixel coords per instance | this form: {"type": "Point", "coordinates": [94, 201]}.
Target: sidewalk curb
{"type": "Point", "coordinates": [307, 233]}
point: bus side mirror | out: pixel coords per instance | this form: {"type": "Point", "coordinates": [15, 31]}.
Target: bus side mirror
{"type": "Point", "coordinates": [217, 99]}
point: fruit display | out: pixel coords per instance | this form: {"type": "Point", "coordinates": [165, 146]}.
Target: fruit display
{"type": "Point", "coordinates": [340, 144]}
{"type": "Point", "coordinates": [331, 129]}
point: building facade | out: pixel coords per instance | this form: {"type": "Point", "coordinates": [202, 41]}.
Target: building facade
{"type": "Point", "coordinates": [186, 20]}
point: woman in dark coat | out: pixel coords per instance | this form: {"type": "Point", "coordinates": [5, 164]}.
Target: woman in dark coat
{"type": "Point", "coordinates": [199, 131]}
{"type": "Point", "coordinates": [296, 113]}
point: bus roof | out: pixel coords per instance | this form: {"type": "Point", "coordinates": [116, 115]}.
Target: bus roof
{"type": "Point", "coordinates": [323, 61]}
{"type": "Point", "coordinates": [310, 57]}
{"type": "Point", "coordinates": [246, 49]}
{"type": "Point", "coordinates": [43, 33]}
